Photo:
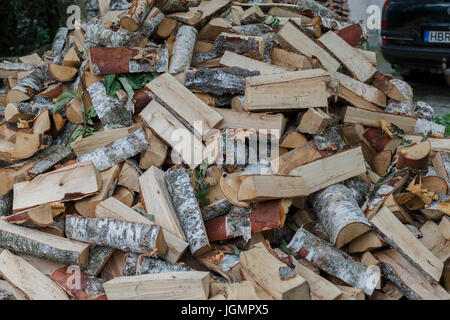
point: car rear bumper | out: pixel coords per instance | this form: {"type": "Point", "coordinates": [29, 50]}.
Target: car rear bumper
{"type": "Point", "coordinates": [414, 56]}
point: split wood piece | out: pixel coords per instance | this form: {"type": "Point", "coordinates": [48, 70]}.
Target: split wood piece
{"type": "Point", "coordinates": [292, 36]}
{"type": "Point", "coordinates": [441, 163]}
{"type": "Point", "coordinates": [268, 187]}
{"type": "Point", "coordinates": [43, 245]}
{"type": "Point", "coordinates": [191, 285]}
{"type": "Point", "coordinates": [30, 86]}
{"type": "Point", "coordinates": [74, 112]}
{"type": "Point", "coordinates": [22, 275]}
{"type": "Point", "coordinates": [183, 49]}
{"type": "Point", "coordinates": [40, 216]}
{"type": "Point", "coordinates": [293, 159]}
{"type": "Point", "coordinates": [149, 265]}
{"type": "Point", "coordinates": [210, 9]}
{"type": "Point", "coordinates": [96, 33]}
{"type": "Point", "coordinates": [314, 121]}
{"type": "Point", "coordinates": [26, 110]}
{"type": "Point", "coordinates": [231, 59]}
{"type": "Point", "coordinates": [340, 215]}
{"type": "Point", "coordinates": [124, 195]}
{"type": "Point", "coordinates": [185, 203]}
{"type": "Point", "coordinates": [236, 12]}
{"type": "Point", "coordinates": [390, 185]}
{"type": "Point", "coordinates": [98, 257]}
{"type": "Point", "coordinates": [157, 201]}
{"type": "Point", "coordinates": [71, 58]}
{"type": "Point", "coordinates": [26, 145]}
{"type": "Point", "coordinates": [349, 293]}
{"type": "Point", "coordinates": [220, 82]}
{"type": "Point", "coordinates": [86, 288]}
{"type": "Point", "coordinates": [127, 60]}
{"type": "Point", "coordinates": [237, 103]}
{"type": "Point", "coordinates": [227, 265]}
{"type": "Point", "coordinates": [166, 28]}
{"type": "Point", "coordinates": [334, 261]}
{"type": "Point", "coordinates": [62, 73]}
{"type": "Point", "coordinates": [243, 290]}
{"type": "Point", "coordinates": [86, 207]}
{"type": "Point", "coordinates": [434, 240]}
{"type": "Point", "coordinates": [66, 184]}
{"type": "Point", "coordinates": [252, 15]}
{"type": "Point", "coordinates": [152, 22]}
{"type": "Point", "coordinates": [238, 120]}
{"type": "Point", "coordinates": [249, 45]}
{"type": "Point", "coordinates": [287, 91]}
{"type": "Point", "coordinates": [229, 184]}
{"type": "Point", "coordinates": [243, 222]}
{"type": "Point", "coordinates": [105, 157]}
{"type": "Point", "coordinates": [435, 184]}
{"type": "Point", "coordinates": [168, 128]}
{"type": "Point", "coordinates": [212, 30]}
{"type": "Point", "coordinates": [325, 172]}
{"type": "Point", "coordinates": [321, 288]}
{"type": "Point", "coordinates": [155, 154]}
{"type": "Point", "coordinates": [114, 209]}
{"type": "Point", "coordinates": [292, 139]}
{"type": "Point", "coordinates": [400, 238]}
{"type": "Point", "coordinates": [410, 280]}
{"type": "Point", "coordinates": [370, 56]}
{"type": "Point", "coordinates": [9, 69]}
{"type": "Point", "coordinates": [437, 144]}
{"type": "Point", "coordinates": [398, 211]}
{"type": "Point", "coordinates": [380, 140]}
{"type": "Point", "coordinates": [265, 270]}
{"type": "Point", "coordinates": [109, 110]}
{"type": "Point", "coordinates": [366, 242]}
{"type": "Point", "coordinates": [415, 157]}
{"type": "Point", "coordinates": [114, 267]}
{"type": "Point", "coordinates": [371, 118]}
{"type": "Point", "coordinates": [444, 228]}
{"type": "Point", "coordinates": [290, 60]}
{"type": "Point", "coordinates": [182, 102]}
{"type": "Point", "coordinates": [127, 236]}
{"type": "Point", "coordinates": [98, 140]}
{"type": "Point", "coordinates": [382, 162]}
{"type": "Point", "coordinates": [359, 94]}
{"type": "Point", "coordinates": [395, 89]}
{"type": "Point", "coordinates": [133, 18]}
{"type": "Point", "coordinates": [358, 66]}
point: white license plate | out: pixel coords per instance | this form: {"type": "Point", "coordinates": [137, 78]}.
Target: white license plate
{"type": "Point", "coordinates": [437, 36]}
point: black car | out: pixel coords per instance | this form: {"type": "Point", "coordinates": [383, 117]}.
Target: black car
{"type": "Point", "coordinates": [416, 35]}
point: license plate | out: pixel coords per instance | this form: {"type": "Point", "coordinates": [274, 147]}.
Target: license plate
{"type": "Point", "coordinates": [437, 36]}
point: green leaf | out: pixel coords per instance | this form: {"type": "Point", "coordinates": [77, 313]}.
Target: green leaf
{"type": "Point", "coordinates": [284, 247]}
{"type": "Point", "coordinates": [236, 250]}
{"type": "Point", "coordinates": [407, 142]}
{"type": "Point", "coordinates": [445, 121]}
{"type": "Point", "coordinates": [111, 84]}
{"type": "Point", "coordinates": [61, 101]}
{"type": "Point", "coordinates": [127, 87]}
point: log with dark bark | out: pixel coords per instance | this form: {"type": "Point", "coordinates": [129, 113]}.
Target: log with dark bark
{"type": "Point", "coordinates": [105, 157]}
{"type": "Point", "coordinates": [98, 257]}
{"type": "Point", "coordinates": [152, 22]}
{"type": "Point", "coordinates": [216, 209]}
{"type": "Point", "coordinates": [42, 245]}
{"type": "Point", "coordinates": [136, 14]}
{"type": "Point", "coordinates": [141, 264]}
{"type": "Point", "coordinates": [185, 202]}
{"type": "Point", "coordinates": [220, 81]}
{"type": "Point", "coordinates": [126, 236]}
{"type": "Point", "coordinates": [334, 261]}
{"type": "Point", "coordinates": [110, 110]}
{"type": "Point", "coordinates": [183, 49]}
{"type": "Point", "coordinates": [169, 6]}
{"type": "Point", "coordinates": [340, 215]}
{"type": "Point", "coordinates": [128, 60]}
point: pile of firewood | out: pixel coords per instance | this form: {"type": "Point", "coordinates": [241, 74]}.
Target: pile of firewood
{"type": "Point", "coordinates": [218, 150]}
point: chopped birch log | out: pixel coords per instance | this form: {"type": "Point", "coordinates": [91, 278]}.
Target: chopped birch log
{"type": "Point", "coordinates": [185, 202]}
{"type": "Point", "coordinates": [30, 86]}
{"type": "Point", "coordinates": [59, 42]}
{"type": "Point", "coordinates": [314, 121]}
{"type": "Point", "coordinates": [212, 30]}
{"type": "Point", "coordinates": [298, 157]}
{"type": "Point", "coordinates": [97, 34]}
{"type": "Point", "coordinates": [360, 68]}
{"type": "Point", "coordinates": [6, 203]}
{"type": "Point", "coordinates": [290, 60]}
{"type": "Point", "coordinates": [13, 69]}
{"type": "Point", "coordinates": [27, 144]}
{"type": "Point", "coordinates": [136, 14]}
{"type": "Point", "coordinates": [42, 245]}
{"type": "Point", "coordinates": [168, 6]}
{"type": "Point", "coordinates": [287, 91]}
{"type": "Point", "coordinates": [22, 275]}
{"type": "Point", "coordinates": [126, 236]}
{"type": "Point", "coordinates": [40, 216]}
{"type": "Point", "coordinates": [105, 157]}
{"type": "Point", "coordinates": [86, 207]}
{"type": "Point", "coordinates": [399, 237]}
{"type": "Point", "coordinates": [243, 222]}
{"type": "Point", "coordinates": [128, 60]}
{"type": "Point", "coordinates": [334, 261]}
{"type": "Point", "coordinates": [66, 184]}
{"type": "Point", "coordinates": [98, 257]}
{"type": "Point", "coordinates": [415, 157]}
{"type": "Point", "coordinates": [26, 110]}
{"type": "Point", "coordinates": [252, 15]}
{"type": "Point", "coordinates": [366, 242]}
{"type": "Point", "coordinates": [249, 45]}
{"type": "Point", "coordinates": [264, 269]}
{"type": "Point", "coordinates": [182, 102]}
{"type": "Point", "coordinates": [381, 141]}
{"type": "Point", "coordinates": [410, 280]}
{"type": "Point", "coordinates": [157, 201]}
{"type": "Point", "coordinates": [152, 22]}
{"type": "Point", "coordinates": [216, 209]}
{"type": "Point", "coordinates": [184, 285]}
{"type": "Point", "coordinates": [109, 110]}
{"type": "Point", "coordinates": [156, 154]}
{"type": "Point", "coordinates": [395, 89]}
{"type": "Point", "coordinates": [62, 73]}
{"type": "Point", "coordinates": [168, 128]}
{"type": "Point", "coordinates": [339, 214]}
{"type": "Point", "coordinates": [292, 36]}
{"type": "Point", "coordinates": [183, 49]}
